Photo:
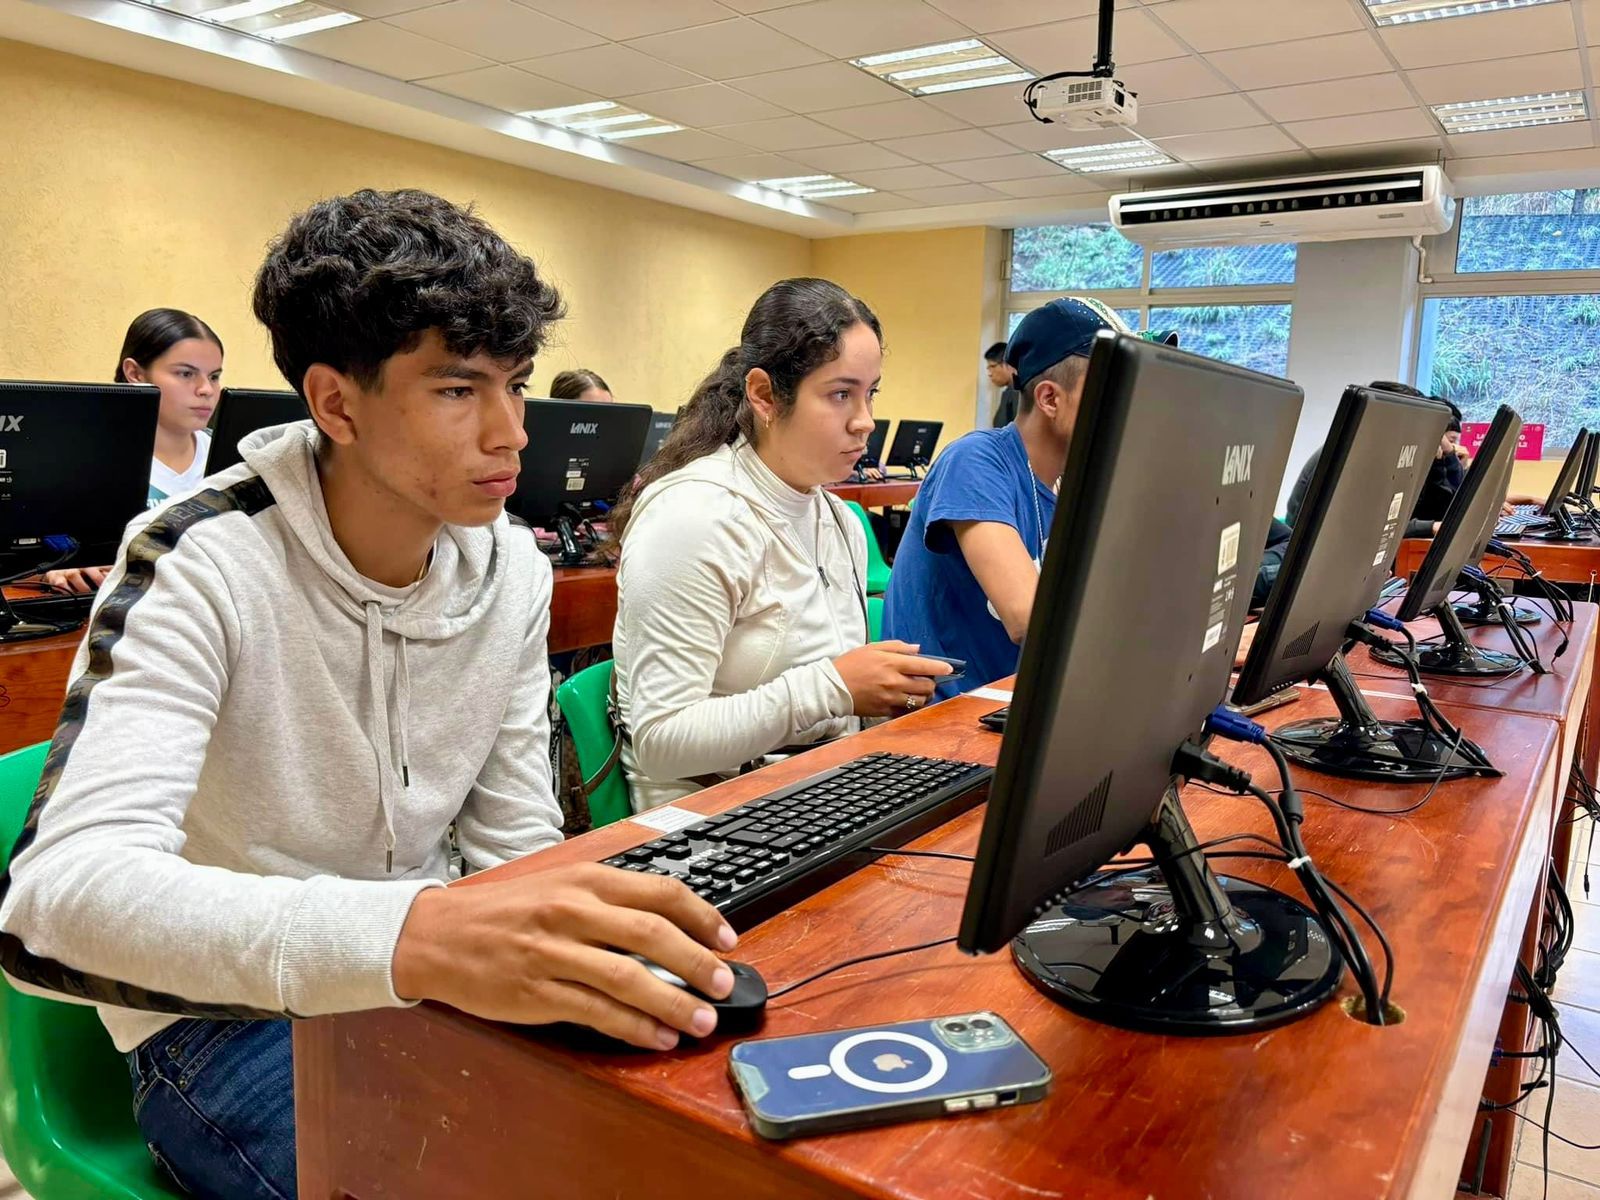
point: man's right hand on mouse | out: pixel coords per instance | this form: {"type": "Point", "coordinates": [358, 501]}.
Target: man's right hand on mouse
{"type": "Point", "coordinates": [529, 949]}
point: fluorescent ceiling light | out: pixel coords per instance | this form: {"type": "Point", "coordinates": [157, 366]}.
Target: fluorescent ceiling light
{"type": "Point", "coordinates": [250, 8]}
{"type": "Point", "coordinates": [946, 67]}
{"type": "Point", "coordinates": [1404, 12]}
{"type": "Point", "coordinates": [814, 187]}
{"type": "Point", "coordinates": [296, 29]}
{"type": "Point", "coordinates": [1513, 112]}
{"type": "Point", "coordinates": [604, 119]}
{"type": "Point", "coordinates": [275, 20]}
{"type": "Point", "coordinates": [1133, 155]}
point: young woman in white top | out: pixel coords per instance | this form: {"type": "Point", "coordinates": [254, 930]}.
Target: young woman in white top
{"type": "Point", "coordinates": [741, 619]}
{"type": "Point", "coordinates": [178, 353]}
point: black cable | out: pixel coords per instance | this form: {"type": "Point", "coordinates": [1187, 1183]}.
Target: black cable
{"type": "Point", "coordinates": [854, 962]}
{"type": "Point", "coordinates": [886, 850]}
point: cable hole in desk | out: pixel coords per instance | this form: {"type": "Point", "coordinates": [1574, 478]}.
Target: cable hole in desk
{"type": "Point", "coordinates": [1355, 1008]}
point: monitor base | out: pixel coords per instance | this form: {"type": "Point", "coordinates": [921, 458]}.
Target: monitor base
{"type": "Point", "coordinates": [1118, 950]}
{"type": "Point", "coordinates": [1395, 751]}
{"type": "Point", "coordinates": [1452, 659]}
{"type": "Point", "coordinates": [29, 631]}
{"type": "Point", "coordinates": [1485, 614]}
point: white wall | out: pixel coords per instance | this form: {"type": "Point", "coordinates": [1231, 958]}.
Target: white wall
{"type": "Point", "coordinates": [1354, 313]}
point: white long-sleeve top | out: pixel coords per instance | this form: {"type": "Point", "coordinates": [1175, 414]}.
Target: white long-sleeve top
{"type": "Point", "coordinates": [735, 594]}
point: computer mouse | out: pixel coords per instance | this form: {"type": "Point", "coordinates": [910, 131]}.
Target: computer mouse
{"type": "Point", "coordinates": [742, 1010]}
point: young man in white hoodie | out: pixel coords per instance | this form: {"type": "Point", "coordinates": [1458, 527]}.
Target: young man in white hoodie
{"type": "Point", "coordinates": [296, 681]}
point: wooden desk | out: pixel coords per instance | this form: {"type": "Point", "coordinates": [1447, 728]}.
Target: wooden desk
{"type": "Point", "coordinates": [1559, 562]}
{"type": "Point", "coordinates": [877, 495]}
{"type": "Point", "coordinates": [429, 1102]}
{"type": "Point", "coordinates": [33, 675]}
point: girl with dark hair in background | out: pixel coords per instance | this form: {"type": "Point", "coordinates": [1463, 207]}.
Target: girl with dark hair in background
{"type": "Point", "coordinates": [178, 353]}
{"type": "Point", "coordinates": [579, 384]}
{"type": "Point", "coordinates": [741, 617]}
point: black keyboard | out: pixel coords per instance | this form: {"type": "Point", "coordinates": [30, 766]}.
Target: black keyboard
{"type": "Point", "coordinates": [765, 856]}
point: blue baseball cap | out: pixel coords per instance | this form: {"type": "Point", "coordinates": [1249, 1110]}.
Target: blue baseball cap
{"type": "Point", "coordinates": [1060, 330]}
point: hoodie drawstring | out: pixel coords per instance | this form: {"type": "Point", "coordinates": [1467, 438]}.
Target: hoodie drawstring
{"type": "Point", "coordinates": [381, 740]}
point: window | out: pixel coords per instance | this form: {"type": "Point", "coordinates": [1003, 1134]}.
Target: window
{"type": "Point", "coordinates": [1223, 266]}
{"type": "Point", "coordinates": [1247, 335]}
{"type": "Point", "coordinates": [1539, 354]}
{"type": "Point", "coordinates": [1130, 317]}
{"type": "Point", "coordinates": [1070, 258]}
{"type": "Point", "coordinates": [1530, 231]}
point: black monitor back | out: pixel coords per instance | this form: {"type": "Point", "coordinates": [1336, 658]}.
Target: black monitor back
{"type": "Point", "coordinates": [1377, 454]}
{"type": "Point", "coordinates": [242, 411]}
{"type": "Point", "coordinates": [1584, 488]}
{"type": "Point", "coordinates": [1469, 522]}
{"type": "Point", "coordinates": [661, 424]}
{"type": "Point", "coordinates": [913, 443]}
{"type": "Point", "coordinates": [1566, 479]}
{"type": "Point", "coordinates": [1170, 482]}
{"type": "Point", "coordinates": [578, 452]}
{"type": "Point", "coordinates": [875, 441]}
{"type": "Point", "coordinates": [74, 461]}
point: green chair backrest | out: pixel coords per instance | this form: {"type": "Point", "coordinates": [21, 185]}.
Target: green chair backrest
{"type": "Point", "coordinates": [874, 618]}
{"type": "Point", "coordinates": [66, 1103]}
{"type": "Point", "coordinates": [877, 570]}
{"type": "Point", "coordinates": [584, 700]}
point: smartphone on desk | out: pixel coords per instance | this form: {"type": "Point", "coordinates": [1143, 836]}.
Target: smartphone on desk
{"type": "Point", "coordinates": [879, 1074]}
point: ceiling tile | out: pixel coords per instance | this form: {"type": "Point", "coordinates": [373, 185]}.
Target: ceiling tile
{"type": "Point", "coordinates": [619, 19]}
{"type": "Point", "coordinates": [1260, 166]}
{"type": "Point", "coordinates": [1037, 136]}
{"type": "Point", "coordinates": [870, 202]}
{"type": "Point", "coordinates": [1368, 127]}
{"type": "Point", "coordinates": [1070, 45]}
{"type": "Point", "coordinates": [961, 193]}
{"type": "Point", "coordinates": [1232, 143]}
{"type": "Point", "coordinates": [900, 178]}
{"type": "Point", "coordinates": [610, 71]}
{"type": "Point", "coordinates": [1578, 135]}
{"type": "Point", "coordinates": [782, 133]}
{"type": "Point", "coordinates": [1383, 154]}
{"type": "Point", "coordinates": [496, 29]}
{"type": "Point", "coordinates": [687, 145]}
{"type": "Point", "coordinates": [1338, 56]}
{"type": "Point", "coordinates": [728, 49]}
{"type": "Point", "coordinates": [704, 105]}
{"type": "Point", "coordinates": [857, 156]}
{"type": "Point", "coordinates": [813, 89]}
{"type": "Point", "coordinates": [383, 8]}
{"type": "Point", "coordinates": [996, 105]}
{"type": "Point", "coordinates": [753, 166]}
{"type": "Point", "coordinates": [1508, 34]}
{"type": "Point", "coordinates": [1334, 98]}
{"type": "Point", "coordinates": [986, 16]}
{"type": "Point", "coordinates": [948, 147]}
{"type": "Point", "coordinates": [508, 88]}
{"type": "Point", "coordinates": [1062, 183]}
{"type": "Point", "coordinates": [1590, 12]}
{"type": "Point", "coordinates": [1174, 79]}
{"type": "Point", "coordinates": [1225, 24]}
{"type": "Point", "coordinates": [1007, 166]}
{"type": "Point", "coordinates": [389, 51]}
{"type": "Point", "coordinates": [849, 28]}
{"type": "Point", "coordinates": [1492, 80]}
{"type": "Point", "coordinates": [903, 118]}
{"type": "Point", "coordinates": [1232, 111]}
{"type": "Point", "coordinates": [759, 6]}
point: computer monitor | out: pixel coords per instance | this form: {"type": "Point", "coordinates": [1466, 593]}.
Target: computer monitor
{"type": "Point", "coordinates": [242, 411]}
{"type": "Point", "coordinates": [661, 424]}
{"type": "Point", "coordinates": [1562, 527]}
{"type": "Point", "coordinates": [913, 445]}
{"type": "Point", "coordinates": [580, 455]}
{"type": "Point", "coordinates": [1583, 490]}
{"type": "Point", "coordinates": [1466, 529]}
{"type": "Point", "coordinates": [872, 456]}
{"type": "Point", "coordinates": [1168, 492]}
{"type": "Point", "coordinates": [1375, 459]}
{"type": "Point", "coordinates": [74, 467]}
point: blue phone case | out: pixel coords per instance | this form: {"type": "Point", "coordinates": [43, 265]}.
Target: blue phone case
{"type": "Point", "coordinates": [819, 1082]}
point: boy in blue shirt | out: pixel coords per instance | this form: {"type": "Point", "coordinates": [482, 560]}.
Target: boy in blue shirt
{"type": "Point", "coordinates": [966, 573]}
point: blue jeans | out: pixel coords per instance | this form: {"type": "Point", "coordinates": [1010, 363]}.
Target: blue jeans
{"type": "Point", "coordinates": [215, 1103]}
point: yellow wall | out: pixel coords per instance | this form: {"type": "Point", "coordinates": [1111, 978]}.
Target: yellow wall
{"type": "Point", "coordinates": [927, 289]}
{"type": "Point", "coordinates": [121, 191]}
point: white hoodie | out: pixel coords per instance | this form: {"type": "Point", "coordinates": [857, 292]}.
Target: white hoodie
{"type": "Point", "coordinates": [251, 730]}
{"type": "Point", "coordinates": [735, 595]}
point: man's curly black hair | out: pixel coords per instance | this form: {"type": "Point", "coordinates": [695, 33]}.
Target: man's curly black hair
{"type": "Point", "coordinates": [357, 279]}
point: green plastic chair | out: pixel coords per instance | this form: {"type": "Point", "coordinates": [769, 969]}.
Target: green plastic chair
{"type": "Point", "coordinates": [66, 1105]}
{"type": "Point", "coordinates": [877, 568]}
{"type": "Point", "coordinates": [874, 618]}
{"type": "Point", "coordinates": [585, 703]}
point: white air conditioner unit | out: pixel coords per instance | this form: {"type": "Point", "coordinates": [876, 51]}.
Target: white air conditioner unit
{"type": "Point", "coordinates": [1382, 202]}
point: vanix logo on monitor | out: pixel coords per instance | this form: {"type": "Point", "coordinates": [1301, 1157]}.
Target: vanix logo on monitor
{"type": "Point", "coordinates": [1236, 464]}
{"type": "Point", "coordinates": [10, 424]}
{"type": "Point", "coordinates": [1408, 456]}
{"type": "Point", "coordinates": [586, 427]}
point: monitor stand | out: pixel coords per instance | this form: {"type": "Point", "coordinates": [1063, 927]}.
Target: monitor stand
{"type": "Point", "coordinates": [1483, 613]}
{"type": "Point", "coordinates": [1456, 655]}
{"type": "Point", "coordinates": [1565, 529]}
{"type": "Point", "coordinates": [1176, 949]}
{"type": "Point", "coordinates": [1357, 744]}
{"type": "Point", "coordinates": [14, 629]}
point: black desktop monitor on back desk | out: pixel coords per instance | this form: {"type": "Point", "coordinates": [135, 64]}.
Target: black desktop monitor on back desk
{"type": "Point", "coordinates": [661, 424]}
{"type": "Point", "coordinates": [579, 457]}
{"type": "Point", "coordinates": [1562, 527]}
{"type": "Point", "coordinates": [1167, 495]}
{"type": "Point", "coordinates": [242, 411]}
{"type": "Point", "coordinates": [912, 447]}
{"type": "Point", "coordinates": [873, 455]}
{"type": "Point", "coordinates": [74, 470]}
